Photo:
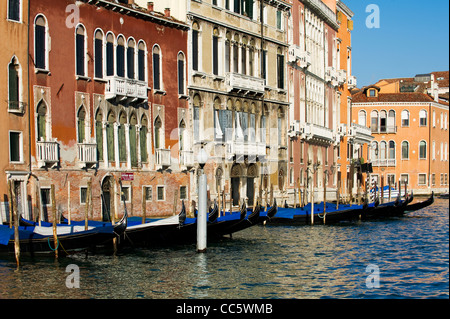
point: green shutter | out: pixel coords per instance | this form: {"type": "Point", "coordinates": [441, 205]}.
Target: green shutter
{"type": "Point", "coordinates": [143, 142]}
{"type": "Point", "coordinates": [99, 140]}
{"type": "Point", "coordinates": [41, 127]}
{"type": "Point", "coordinates": [110, 141]}
{"type": "Point", "coordinates": [81, 131]}
{"type": "Point", "coordinates": [133, 154]}
{"type": "Point", "coordinates": [122, 144]}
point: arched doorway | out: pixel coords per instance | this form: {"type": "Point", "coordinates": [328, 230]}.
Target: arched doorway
{"type": "Point", "coordinates": [236, 173]}
{"type": "Point", "coordinates": [107, 193]}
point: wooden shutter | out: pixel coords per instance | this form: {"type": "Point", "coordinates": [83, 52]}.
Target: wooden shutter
{"type": "Point", "coordinates": [99, 139]}
{"type": "Point", "coordinates": [156, 72]}
{"type": "Point", "coordinates": [110, 141]}
{"type": "Point", "coordinates": [143, 144]}
{"type": "Point", "coordinates": [39, 53]}
{"type": "Point", "coordinates": [133, 149]}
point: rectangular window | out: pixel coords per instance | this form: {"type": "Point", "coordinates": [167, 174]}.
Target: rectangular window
{"type": "Point", "coordinates": [196, 123]}
{"type": "Point", "coordinates": [83, 195]}
{"type": "Point", "coordinates": [15, 147]}
{"type": "Point", "coordinates": [404, 178]}
{"type": "Point", "coordinates": [125, 194]}
{"type": "Point", "coordinates": [120, 61]}
{"type": "Point", "coordinates": [279, 20]}
{"type": "Point", "coordinates": [227, 56]}
{"type": "Point", "coordinates": [45, 197]}
{"type": "Point", "coordinates": [148, 193]}
{"type": "Point", "coordinates": [40, 47]}
{"type": "Point", "coordinates": [264, 65]}
{"type": "Point", "coordinates": [422, 179]}
{"type": "Point", "coordinates": [130, 62]}
{"type": "Point", "coordinates": [280, 73]}
{"type": "Point", "coordinates": [195, 50]}
{"type": "Point", "coordinates": [183, 192]}
{"type": "Point", "coordinates": [433, 179]}
{"type": "Point", "coordinates": [14, 10]}
{"type": "Point", "coordinates": [160, 191]}
{"type": "Point", "coordinates": [215, 55]}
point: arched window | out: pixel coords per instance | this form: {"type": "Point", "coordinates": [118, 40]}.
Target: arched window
{"type": "Point", "coordinates": [110, 136]}
{"type": "Point", "coordinates": [195, 46]}
{"type": "Point", "coordinates": [156, 68]}
{"type": "Point", "coordinates": [422, 150]}
{"type": "Point", "coordinates": [280, 68]}
{"type": "Point", "coordinates": [98, 54]}
{"type": "Point", "coordinates": [182, 133]}
{"type": "Point", "coordinates": [374, 121]}
{"type": "Point", "coordinates": [110, 54]}
{"type": "Point", "coordinates": [423, 118]}
{"type": "Point", "coordinates": [40, 43]}
{"type": "Point", "coordinates": [391, 122]}
{"type": "Point", "coordinates": [99, 134]}
{"type": "Point", "coordinates": [41, 121]}
{"type": "Point", "coordinates": [197, 105]}
{"type": "Point", "coordinates": [228, 52]}
{"type": "Point", "coordinates": [383, 122]}
{"type": "Point", "coordinates": [383, 149]}
{"type": "Point", "coordinates": [122, 140]}
{"type": "Point", "coordinates": [13, 84]}
{"type": "Point", "coordinates": [391, 152]}
{"type": "Point", "coordinates": [120, 57]}
{"type": "Point", "coordinates": [133, 140]}
{"type": "Point", "coordinates": [141, 60]}
{"type": "Point", "coordinates": [405, 150]}
{"type": "Point", "coordinates": [181, 72]}
{"type": "Point", "coordinates": [158, 127]}
{"type": "Point", "coordinates": [143, 139]}
{"type": "Point", "coordinates": [130, 58]}
{"type": "Point", "coordinates": [375, 151]}
{"type": "Point", "coordinates": [81, 125]}
{"type": "Point", "coordinates": [215, 51]}
{"type": "Point", "coordinates": [80, 50]}
{"type": "Point", "coordinates": [405, 118]}
{"type": "Point", "coordinates": [362, 118]}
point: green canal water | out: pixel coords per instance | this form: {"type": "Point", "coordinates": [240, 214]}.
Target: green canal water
{"type": "Point", "coordinates": [404, 257]}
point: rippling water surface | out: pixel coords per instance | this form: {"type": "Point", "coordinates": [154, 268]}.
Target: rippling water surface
{"type": "Point", "coordinates": [411, 253]}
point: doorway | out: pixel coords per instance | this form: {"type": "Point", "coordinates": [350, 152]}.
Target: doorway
{"type": "Point", "coordinates": [107, 191]}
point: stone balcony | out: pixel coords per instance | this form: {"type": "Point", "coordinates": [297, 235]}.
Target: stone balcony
{"type": "Point", "coordinates": [87, 154]}
{"type": "Point", "coordinates": [317, 134]}
{"type": "Point", "coordinates": [162, 158]}
{"type": "Point", "coordinates": [341, 76]}
{"type": "Point", "coordinates": [359, 134]}
{"type": "Point", "coordinates": [351, 81]}
{"type": "Point", "coordinates": [297, 55]}
{"type": "Point", "coordinates": [123, 88]}
{"type": "Point", "coordinates": [242, 148]}
{"type": "Point", "coordinates": [245, 84]}
{"type": "Point", "coordinates": [47, 153]}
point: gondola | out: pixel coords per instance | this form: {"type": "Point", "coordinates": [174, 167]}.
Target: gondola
{"type": "Point", "coordinates": [70, 238]}
{"type": "Point", "coordinates": [391, 209]}
{"type": "Point", "coordinates": [302, 215]}
{"type": "Point", "coordinates": [420, 205]}
{"type": "Point", "coordinates": [268, 213]}
{"type": "Point", "coordinates": [247, 220]}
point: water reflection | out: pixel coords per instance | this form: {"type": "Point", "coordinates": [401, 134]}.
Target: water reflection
{"type": "Point", "coordinates": [262, 262]}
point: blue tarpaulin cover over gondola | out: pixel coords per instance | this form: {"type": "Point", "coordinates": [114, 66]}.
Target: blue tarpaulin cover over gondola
{"type": "Point", "coordinates": [5, 234]}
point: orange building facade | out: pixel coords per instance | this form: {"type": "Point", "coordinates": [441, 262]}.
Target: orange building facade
{"type": "Point", "coordinates": [14, 106]}
{"type": "Point", "coordinates": [411, 138]}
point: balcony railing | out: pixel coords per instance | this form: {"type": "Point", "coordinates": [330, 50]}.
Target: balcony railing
{"type": "Point", "coordinates": [391, 129]}
{"type": "Point", "coordinates": [119, 87]}
{"type": "Point", "coordinates": [246, 83]}
{"type": "Point", "coordinates": [360, 134]}
{"type": "Point", "coordinates": [162, 158]}
{"type": "Point", "coordinates": [241, 148]}
{"type": "Point", "coordinates": [47, 153]}
{"type": "Point", "coordinates": [341, 76]}
{"type": "Point", "coordinates": [331, 75]}
{"type": "Point", "coordinates": [87, 154]}
{"type": "Point", "coordinates": [384, 162]}
{"type": "Point", "coordinates": [296, 54]}
{"type": "Point", "coordinates": [318, 133]}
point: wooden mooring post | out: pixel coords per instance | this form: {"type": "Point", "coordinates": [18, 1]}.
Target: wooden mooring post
{"type": "Point", "coordinates": [14, 214]}
{"type": "Point", "coordinates": [55, 220]}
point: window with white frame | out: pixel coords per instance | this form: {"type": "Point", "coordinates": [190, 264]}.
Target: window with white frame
{"type": "Point", "coordinates": [181, 74]}
{"type": "Point", "coordinates": [131, 49]}
{"type": "Point", "coordinates": [405, 118]}
{"type": "Point", "coordinates": [14, 10]}
{"type": "Point", "coordinates": [14, 86]}
{"type": "Point", "coordinates": [80, 51]}
{"type": "Point", "coordinates": [422, 179]}
{"type": "Point", "coordinates": [120, 57]}
{"type": "Point", "coordinates": [157, 85]}
{"type": "Point", "coordinates": [423, 118]}
{"type": "Point", "coordinates": [148, 193]}
{"type": "Point", "coordinates": [142, 54]}
{"type": "Point", "coordinates": [160, 193]}
{"type": "Point", "coordinates": [98, 54]}
{"type": "Point", "coordinates": [110, 54]}
{"type": "Point", "coordinates": [405, 150]}
{"type": "Point", "coordinates": [422, 150]}
{"type": "Point", "coordinates": [15, 147]}
{"type": "Point", "coordinates": [40, 43]}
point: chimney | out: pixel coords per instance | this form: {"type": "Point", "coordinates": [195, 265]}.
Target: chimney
{"type": "Point", "coordinates": [434, 89]}
{"type": "Point", "coordinates": [167, 12]}
{"type": "Point", "coordinates": [150, 6]}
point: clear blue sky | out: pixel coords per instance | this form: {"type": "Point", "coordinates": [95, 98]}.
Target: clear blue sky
{"type": "Point", "coordinates": [413, 38]}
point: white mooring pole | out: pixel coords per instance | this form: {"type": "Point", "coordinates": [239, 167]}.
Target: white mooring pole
{"type": "Point", "coordinates": [202, 204]}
